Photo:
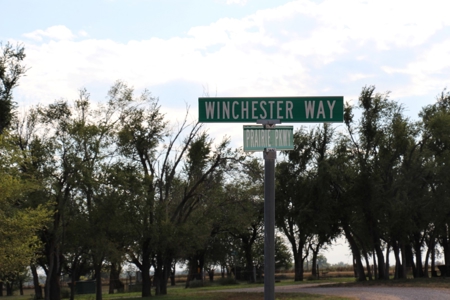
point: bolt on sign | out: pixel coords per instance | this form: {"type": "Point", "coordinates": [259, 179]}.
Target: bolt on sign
{"type": "Point", "coordinates": [258, 138]}
{"type": "Point", "coordinates": [285, 109]}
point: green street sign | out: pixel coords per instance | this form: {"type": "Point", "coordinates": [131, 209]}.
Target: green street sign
{"type": "Point", "coordinates": [257, 138]}
{"type": "Point", "coordinates": [285, 109]}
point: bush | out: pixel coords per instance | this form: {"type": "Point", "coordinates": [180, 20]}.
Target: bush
{"type": "Point", "coordinates": [198, 283]}
{"type": "Point", "coordinates": [281, 277]}
{"type": "Point", "coordinates": [65, 293]}
{"type": "Point", "coordinates": [227, 281]}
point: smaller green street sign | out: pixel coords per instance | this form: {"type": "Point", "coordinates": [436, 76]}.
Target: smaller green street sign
{"type": "Point", "coordinates": [258, 138]}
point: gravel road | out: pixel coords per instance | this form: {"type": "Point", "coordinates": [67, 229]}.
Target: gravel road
{"type": "Point", "coordinates": [363, 293]}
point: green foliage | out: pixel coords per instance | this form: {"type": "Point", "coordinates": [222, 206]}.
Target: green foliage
{"type": "Point", "coordinates": [19, 224]}
{"type": "Point", "coordinates": [227, 281]}
{"type": "Point", "coordinates": [306, 203]}
{"type": "Point", "coordinates": [198, 283]}
{"type": "Point", "coordinates": [11, 69]}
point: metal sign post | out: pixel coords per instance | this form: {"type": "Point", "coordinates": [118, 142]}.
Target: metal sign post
{"type": "Point", "coordinates": [270, 155]}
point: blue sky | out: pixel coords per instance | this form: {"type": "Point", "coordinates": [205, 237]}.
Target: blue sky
{"type": "Point", "coordinates": [177, 49]}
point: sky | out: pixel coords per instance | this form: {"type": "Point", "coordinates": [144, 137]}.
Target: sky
{"type": "Point", "coordinates": [184, 49]}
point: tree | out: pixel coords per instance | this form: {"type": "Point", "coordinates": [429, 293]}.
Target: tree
{"type": "Point", "coordinates": [248, 229]}
{"type": "Point", "coordinates": [436, 119]}
{"type": "Point", "coordinates": [383, 151]}
{"type": "Point", "coordinates": [306, 201]}
{"type": "Point", "coordinates": [177, 170]}
{"type": "Point", "coordinates": [19, 224]}
{"type": "Point", "coordinates": [11, 70]}
{"type": "Point", "coordinates": [70, 156]}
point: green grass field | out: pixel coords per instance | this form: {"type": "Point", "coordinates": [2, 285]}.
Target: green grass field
{"type": "Point", "coordinates": [214, 292]}
{"type": "Point", "coordinates": [222, 292]}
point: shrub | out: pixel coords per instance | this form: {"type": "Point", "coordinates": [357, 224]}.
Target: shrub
{"type": "Point", "coordinates": [198, 283]}
{"type": "Point", "coordinates": [65, 293]}
{"type": "Point", "coordinates": [227, 281]}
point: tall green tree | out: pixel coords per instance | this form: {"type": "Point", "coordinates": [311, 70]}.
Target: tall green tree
{"type": "Point", "coordinates": [381, 146]}
{"type": "Point", "coordinates": [305, 200]}
{"type": "Point", "coordinates": [436, 119]}
{"type": "Point", "coordinates": [11, 70]}
{"type": "Point", "coordinates": [75, 147]}
{"type": "Point", "coordinates": [19, 223]}
{"type": "Point", "coordinates": [177, 170]}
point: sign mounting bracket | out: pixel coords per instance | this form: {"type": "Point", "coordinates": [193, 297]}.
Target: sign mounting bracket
{"type": "Point", "coordinates": [268, 123]}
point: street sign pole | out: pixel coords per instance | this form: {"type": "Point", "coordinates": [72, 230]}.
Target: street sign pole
{"type": "Point", "coordinates": [270, 155]}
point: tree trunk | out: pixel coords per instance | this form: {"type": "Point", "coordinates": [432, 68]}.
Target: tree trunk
{"type": "Point", "coordinates": [166, 274]}
{"type": "Point", "coordinates": [433, 259]}
{"type": "Point", "coordinates": [114, 279]}
{"type": "Point", "coordinates": [158, 275]}
{"type": "Point", "coordinates": [193, 269]}
{"type": "Point", "coordinates": [445, 246]}
{"type": "Point", "coordinates": [37, 286]}
{"type": "Point", "coordinates": [72, 288]}
{"type": "Point", "coordinates": [380, 258]}
{"type": "Point", "coordinates": [98, 281]}
{"type": "Point", "coordinates": [386, 269]}
{"type": "Point", "coordinates": [211, 274]}
{"type": "Point", "coordinates": [162, 273]}
{"type": "Point", "coordinates": [145, 269]}
{"type": "Point", "coordinates": [430, 252]}
{"type": "Point", "coordinates": [375, 269]}
{"type": "Point", "coordinates": [369, 272]}
{"type": "Point", "coordinates": [410, 259]}
{"type": "Point", "coordinates": [9, 288]}
{"type": "Point", "coordinates": [399, 272]}
{"type": "Point", "coordinates": [418, 253]}
{"type": "Point", "coordinates": [21, 287]}
{"type": "Point", "coordinates": [404, 262]}
{"type": "Point", "coordinates": [52, 283]}
{"type": "Point", "coordinates": [356, 253]}
{"type": "Point", "coordinates": [248, 261]}
{"type": "Point", "coordinates": [298, 266]}
{"type": "Point", "coordinates": [314, 264]}
{"type": "Point", "coordinates": [172, 274]}
{"type": "Point", "coordinates": [426, 265]}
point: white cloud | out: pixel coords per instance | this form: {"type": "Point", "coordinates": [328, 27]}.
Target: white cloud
{"type": "Point", "coordinates": [58, 33]}
{"type": "Point", "coordinates": [241, 2]}
{"type": "Point", "coordinates": [359, 76]}
{"type": "Point", "coordinates": [293, 49]}
{"type": "Point", "coordinates": [83, 33]}
{"type": "Point", "coordinates": [429, 72]}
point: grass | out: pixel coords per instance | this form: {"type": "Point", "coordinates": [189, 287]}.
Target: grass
{"type": "Point", "coordinates": [193, 294]}
{"type": "Point", "coordinates": [220, 292]}
{"type": "Point", "coordinates": [215, 292]}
